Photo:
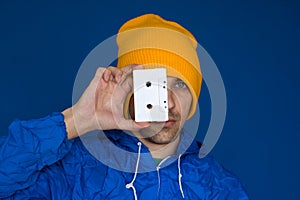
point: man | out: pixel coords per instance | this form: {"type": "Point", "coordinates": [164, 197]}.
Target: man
{"type": "Point", "coordinates": [45, 159]}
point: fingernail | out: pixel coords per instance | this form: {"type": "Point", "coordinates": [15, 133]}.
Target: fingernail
{"type": "Point", "coordinates": [143, 124]}
{"type": "Point", "coordinates": [138, 67]}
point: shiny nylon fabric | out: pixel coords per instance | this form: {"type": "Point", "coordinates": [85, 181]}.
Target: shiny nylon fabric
{"type": "Point", "coordinates": [38, 162]}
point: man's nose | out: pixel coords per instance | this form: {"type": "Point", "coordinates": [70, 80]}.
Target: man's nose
{"type": "Point", "coordinates": [171, 102]}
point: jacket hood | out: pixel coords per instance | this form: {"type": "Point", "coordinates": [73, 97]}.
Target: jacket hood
{"type": "Point", "coordinates": [187, 145]}
{"type": "Point", "coordinates": [127, 141]}
{"type": "Point", "coordinates": [119, 150]}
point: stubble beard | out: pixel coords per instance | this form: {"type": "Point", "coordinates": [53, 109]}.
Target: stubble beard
{"type": "Point", "coordinates": [158, 134]}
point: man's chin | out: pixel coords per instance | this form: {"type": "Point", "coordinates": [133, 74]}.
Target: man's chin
{"type": "Point", "coordinates": [159, 141]}
{"type": "Point", "coordinates": [165, 136]}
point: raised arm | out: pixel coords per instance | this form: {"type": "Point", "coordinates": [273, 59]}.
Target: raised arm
{"type": "Point", "coordinates": [101, 105]}
{"type": "Point", "coordinates": [34, 144]}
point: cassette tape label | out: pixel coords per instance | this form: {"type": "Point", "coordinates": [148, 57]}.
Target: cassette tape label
{"type": "Point", "coordinates": [150, 95]}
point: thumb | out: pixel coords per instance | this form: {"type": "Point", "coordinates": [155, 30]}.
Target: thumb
{"type": "Point", "coordinates": [130, 125]}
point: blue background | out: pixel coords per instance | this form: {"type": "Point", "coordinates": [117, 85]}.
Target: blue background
{"type": "Point", "coordinates": [255, 45]}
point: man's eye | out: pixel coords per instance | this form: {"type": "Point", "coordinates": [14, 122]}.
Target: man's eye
{"type": "Point", "coordinates": [180, 84]}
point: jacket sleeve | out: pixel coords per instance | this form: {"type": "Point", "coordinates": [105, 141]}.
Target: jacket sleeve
{"type": "Point", "coordinates": [30, 147]}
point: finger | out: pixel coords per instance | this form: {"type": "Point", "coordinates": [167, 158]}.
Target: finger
{"type": "Point", "coordinates": [103, 84]}
{"type": "Point", "coordinates": [99, 73]}
{"type": "Point", "coordinates": [127, 72]}
{"type": "Point", "coordinates": [97, 77]}
{"type": "Point", "coordinates": [116, 73]}
{"type": "Point", "coordinates": [126, 83]}
{"type": "Point", "coordinates": [142, 124]}
{"type": "Point", "coordinates": [126, 79]}
{"type": "Point", "coordinates": [107, 75]}
{"type": "Point", "coordinates": [130, 68]}
{"type": "Point", "coordinates": [130, 125]}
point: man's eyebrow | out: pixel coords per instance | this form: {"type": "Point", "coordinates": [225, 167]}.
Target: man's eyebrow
{"type": "Point", "coordinates": [178, 79]}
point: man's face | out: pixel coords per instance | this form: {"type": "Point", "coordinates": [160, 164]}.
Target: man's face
{"type": "Point", "coordinates": [180, 101]}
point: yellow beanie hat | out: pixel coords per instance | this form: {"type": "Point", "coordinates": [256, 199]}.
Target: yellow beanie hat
{"type": "Point", "coordinates": [154, 42]}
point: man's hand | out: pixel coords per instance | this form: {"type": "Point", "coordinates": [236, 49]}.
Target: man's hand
{"type": "Point", "coordinates": [101, 105]}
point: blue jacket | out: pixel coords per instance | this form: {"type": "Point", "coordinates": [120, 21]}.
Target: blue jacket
{"type": "Point", "coordinates": [37, 161]}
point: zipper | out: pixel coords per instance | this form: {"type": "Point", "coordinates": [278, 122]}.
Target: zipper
{"type": "Point", "coordinates": [158, 175]}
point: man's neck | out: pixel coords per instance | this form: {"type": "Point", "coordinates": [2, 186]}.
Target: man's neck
{"type": "Point", "coordinates": [162, 150]}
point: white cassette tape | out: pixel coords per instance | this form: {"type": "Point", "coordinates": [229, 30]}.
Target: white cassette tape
{"type": "Point", "coordinates": [150, 95]}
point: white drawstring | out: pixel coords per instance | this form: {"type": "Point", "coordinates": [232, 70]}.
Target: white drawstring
{"type": "Point", "coordinates": [130, 185]}
{"type": "Point", "coordinates": [180, 176]}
